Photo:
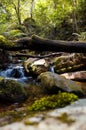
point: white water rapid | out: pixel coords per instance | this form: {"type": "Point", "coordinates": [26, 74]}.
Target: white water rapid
{"type": "Point", "coordinates": [15, 72]}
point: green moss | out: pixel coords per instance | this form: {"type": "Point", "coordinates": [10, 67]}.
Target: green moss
{"type": "Point", "coordinates": [2, 39]}
{"type": "Point", "coordinates": [1, 78]}
{"type": "Point", "coordinates": [4, 42]}
{"type": "Point", "coordinates": [64, 118]}
{"type": "Point", "coordinates": [50, 102]}
{"type": "Point", "coordinates": [15, 34]}
{"type": "Point", "coordinates": [12, 91]}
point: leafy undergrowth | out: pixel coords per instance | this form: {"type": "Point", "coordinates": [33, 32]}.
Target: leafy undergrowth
{"type": "Point", "coordinates": [54, 101]}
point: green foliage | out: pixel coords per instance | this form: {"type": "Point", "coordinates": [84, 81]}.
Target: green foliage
{"type": "Point", "coordinates": [4, 42]}
{"type": "Point", "coordinates": [2, 39]}
{"type": "Point", "coordinates": [50, 102]}
{"type": "Point", "coordinates": [49, 15]}
{"type": "Point", "coordinates": [53, 18]}
{"type": "Point", "coordinates": [82, 36]}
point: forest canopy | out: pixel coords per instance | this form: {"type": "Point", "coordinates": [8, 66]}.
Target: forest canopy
{"type": "Point", "coordinates": [54, 19]}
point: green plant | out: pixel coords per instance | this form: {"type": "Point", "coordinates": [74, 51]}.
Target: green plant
{"type": "Point", "coordinates": [50, 102]}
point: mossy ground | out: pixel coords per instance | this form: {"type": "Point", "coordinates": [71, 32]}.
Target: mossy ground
{"type": "Point", "coordinates": [54, 101]}
{"type": "Point", "coordinates": [17, 112]}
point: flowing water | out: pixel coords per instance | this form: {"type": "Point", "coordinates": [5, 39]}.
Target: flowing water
{"type": "Point", "coordinates": [15, 72]}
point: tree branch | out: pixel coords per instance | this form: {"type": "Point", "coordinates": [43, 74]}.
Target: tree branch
{"type": "Point", "coordinates": [35, 56]}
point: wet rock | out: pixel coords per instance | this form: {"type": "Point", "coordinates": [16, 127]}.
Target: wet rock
{"type": "Point", "coordinates": [12, 91]}
{"type": "Point", "coordinates": [34, 67]}
{"type": "Point", "coordinates": [4, 59]}
{"type": "Point", "coordinates": [52, 83]}
{"type": "Point", "coordinates": [17, 72]}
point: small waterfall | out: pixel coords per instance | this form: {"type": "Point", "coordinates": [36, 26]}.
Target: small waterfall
{"type": "Point", "coordinates": [51, 68]}
{"type": "Point", "coordinates": [15, 73]}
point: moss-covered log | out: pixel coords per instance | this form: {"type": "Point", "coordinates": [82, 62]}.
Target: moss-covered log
{"type": "Point", "coordinates": [69, 63]}
{"type": "Point", "coordinates": [39, 44]}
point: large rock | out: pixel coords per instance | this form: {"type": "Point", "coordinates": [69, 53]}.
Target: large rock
{"type": "Point", "coordinates": [11, 91]}
{"type": "Point", "coordinates": [14, 34]}
{"type": "Point", "coordinates": [34, 67]}
{"type": "Point", "coordinates": [52, 83]}
{"type": "Point", "coordinates": [78, 76]}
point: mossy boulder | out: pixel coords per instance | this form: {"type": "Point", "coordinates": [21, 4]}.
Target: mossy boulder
{"type": "Point", "coordinates": [15, 33]}
{"type": "Point", "coordinates": [69, 62]}
{"type": "Point", "coordinates": [4, 42]}
{"type": "Point", "coordinates": [12, 91]}
{"type": "Point", "coordinates": [51, 102]}
{"type": "Point", "coordinates": [52, 83]}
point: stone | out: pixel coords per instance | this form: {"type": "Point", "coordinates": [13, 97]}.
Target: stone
{"type": "Point", "coordinates": [78, 75]}
{"type": "Point", "coordinates": [12, 91]}
{"type": "Point", "coordinates": [52, 83]}
{"type": "Point", "coordinates": [34, 67]}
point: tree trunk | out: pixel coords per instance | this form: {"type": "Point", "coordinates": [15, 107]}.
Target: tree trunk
{"type": "Point", "coordinates": [39, 44]}
{"type": "Point", "coordinates": [17, 10]}
{"type": "Point", "coordinates": [31, 10]}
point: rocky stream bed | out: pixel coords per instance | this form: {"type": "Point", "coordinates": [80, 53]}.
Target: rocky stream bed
{"type": "Point", "coordinates": [22, 84]}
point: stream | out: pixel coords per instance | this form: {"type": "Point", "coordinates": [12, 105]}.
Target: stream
{"type": "Point", "coordinates": [15, 72]}
{"type": "Point", "coordinates": [16, 110]}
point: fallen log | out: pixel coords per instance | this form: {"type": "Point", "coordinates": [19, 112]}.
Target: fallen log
{"type": "Point", "coordinates": [58, 45]}
{"type": "Point", "coordinates": [39, 44]}
{"type": "Point", "coordinates": [35, 56]}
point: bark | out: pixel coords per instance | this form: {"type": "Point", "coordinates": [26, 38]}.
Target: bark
{"type": "Point", "coordinates": [38, 44]}
{"type": "Point", "coordinates": [70, 63]}
{"type": "Point", "coordinates": [58, 45]}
